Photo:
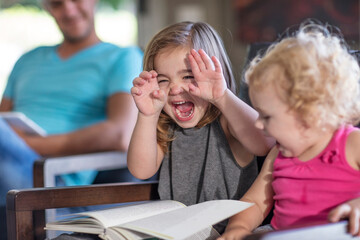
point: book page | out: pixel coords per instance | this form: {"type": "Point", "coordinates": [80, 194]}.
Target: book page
{"type": "Point", "coordinates": [182, 223]}
{"type": "Point", "coordinates": [206, 234]}
{"type": "Point", "coordinates": [113, 216]}
{"type": "Point", "coordinates": [20, 121]}
{"type": "Point", "coordinates": [117, 233]}
{"type": "Point", "coordinates": [79, 224]}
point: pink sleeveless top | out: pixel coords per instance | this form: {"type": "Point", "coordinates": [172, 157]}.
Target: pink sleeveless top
{"type": "Point", "coordinates": [305, 192]}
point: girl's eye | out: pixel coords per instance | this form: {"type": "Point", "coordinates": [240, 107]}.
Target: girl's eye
{"type": "Point", "coordinates": [162, 81]}
{"type": "Point", "coordinates": [189, 77]}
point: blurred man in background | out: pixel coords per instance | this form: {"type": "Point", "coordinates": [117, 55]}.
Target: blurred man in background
{"type": "Point", "coordinates": [77, 91]}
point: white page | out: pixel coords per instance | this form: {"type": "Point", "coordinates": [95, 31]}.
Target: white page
{"type": "Point", "coordinates": [83, 225]}
{"type": "Point", "coordinates": [207, 234]}
{"type": "Point", "coordinates": [119, 215]}
{"type": "Point", "coordinates": [125, 233]}
{"type": "Point", "coordinates": [181, 223]}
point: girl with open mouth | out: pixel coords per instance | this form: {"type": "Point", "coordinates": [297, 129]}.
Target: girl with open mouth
{"type": "Point", "coordinates": [191, 127]}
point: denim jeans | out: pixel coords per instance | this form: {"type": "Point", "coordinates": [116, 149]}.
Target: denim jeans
{"type": "Point", "coordinates": [16, 161]}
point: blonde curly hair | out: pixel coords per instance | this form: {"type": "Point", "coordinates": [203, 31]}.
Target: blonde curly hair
{"type": "Point", "coordinates": [315, 75]}
{"type": "Point", "coordinates": [197, 35]}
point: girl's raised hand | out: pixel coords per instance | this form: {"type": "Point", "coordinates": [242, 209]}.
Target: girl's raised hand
{"type": "Point", "coordinates": [147, 95]}
{"type": "Point", "coordinates": [351, 211]}
{"type": "Point", "coordinates": [209, 79]}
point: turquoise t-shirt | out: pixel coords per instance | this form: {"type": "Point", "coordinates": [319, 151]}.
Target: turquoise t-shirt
{"type": "Point", "coordinates": [65, 95]}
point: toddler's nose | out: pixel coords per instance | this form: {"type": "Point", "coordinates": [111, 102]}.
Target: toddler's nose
{"type": "Point", "coordinates": [259, 124]}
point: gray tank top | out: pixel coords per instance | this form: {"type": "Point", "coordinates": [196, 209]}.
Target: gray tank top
{"type": "Point", "coordinates": [200, 167]}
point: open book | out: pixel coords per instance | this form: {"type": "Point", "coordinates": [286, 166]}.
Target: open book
{"type": "Point", "coordinates": [20, 121]}
{"type": "Point", "coordinates": [163, 219]}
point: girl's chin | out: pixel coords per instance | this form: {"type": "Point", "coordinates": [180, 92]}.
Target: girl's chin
{"type": "Point", "coordinates": [284, 151]}
{"type": "Point", "coordinates": [187, 124]}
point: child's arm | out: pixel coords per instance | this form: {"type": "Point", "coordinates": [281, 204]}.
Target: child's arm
{"type": "Point", "coordinates": [350, 209]}
{"type": "Point", "coordinates": [144, 155]}
{"type": "Point", "coordinates": [261, 194]}
{"type": "Point", "coordinates": [240, 117]}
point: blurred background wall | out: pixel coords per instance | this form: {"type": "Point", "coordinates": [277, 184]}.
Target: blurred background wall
{"type": "Point", "coordinates": [23, 25]}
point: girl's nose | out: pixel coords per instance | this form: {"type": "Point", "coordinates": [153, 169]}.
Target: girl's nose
{"type": "Point", "coordinates": [176, 89]}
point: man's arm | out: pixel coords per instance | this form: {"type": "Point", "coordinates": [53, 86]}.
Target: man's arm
{"type": "Point", "coordinates": [6, 105]}
{"type": "Point", "coordinates": [112, 134]}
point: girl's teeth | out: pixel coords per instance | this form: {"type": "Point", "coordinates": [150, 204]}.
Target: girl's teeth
{"type": "Point", "coordinates": [181, 115]}
{"type": "Point", "coordinates": [180, 102]}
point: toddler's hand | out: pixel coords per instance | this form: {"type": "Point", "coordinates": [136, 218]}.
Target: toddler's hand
{"type": "Point", "coordinates": [209, 79]}
{"type": "Point", "coordinates": [147, 95]}
{"type": "Point", "coordinates": [350, 210]}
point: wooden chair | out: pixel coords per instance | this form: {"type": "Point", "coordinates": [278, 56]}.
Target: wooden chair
{"type": "Point", "coordinates": [25, 209]}
{"type": "Point", "coordinates": [45, 170]}
{"type": "Point", "coordinates": [26, 215]}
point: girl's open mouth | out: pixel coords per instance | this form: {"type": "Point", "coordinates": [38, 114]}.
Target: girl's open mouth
{"type": "Point", "coordinates": [183, 110]}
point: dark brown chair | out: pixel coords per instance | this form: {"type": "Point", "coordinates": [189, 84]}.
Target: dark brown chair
{"type": "Point", "coordinates": [25, 209]}
{"type": "Point", "coordinates": [46, 170]}
{"type": "Point", "coordinates": [26, 215]}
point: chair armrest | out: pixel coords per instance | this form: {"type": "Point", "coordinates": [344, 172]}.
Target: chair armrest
{"type": "Point", "coordinates": [329, 231]}
{"type": "Point", "coordinates": [25, 209]}
{"type": "Point", "coordinates": [46, 169]}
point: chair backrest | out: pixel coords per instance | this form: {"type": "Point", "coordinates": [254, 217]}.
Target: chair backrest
{"type": "Point", "coordinates": [25, 209]}
{"type": "Point", "coordinates": [45, 170]}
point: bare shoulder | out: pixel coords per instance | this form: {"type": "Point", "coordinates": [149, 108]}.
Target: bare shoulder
{"type": "Point", "coordinates": [352, 149]}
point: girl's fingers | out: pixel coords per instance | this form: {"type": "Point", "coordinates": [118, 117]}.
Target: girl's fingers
{"type": "Point", "coordinates": [194, 90]}
{"type": "Point", "coordinates": [135, 91]}
{"type": "Point", "coordinates": [153, 73]}
{"type": "Point", "coordinates": [145, 77]}
{"type": "Point", "coordinates": [198, 59]}
{"type": "Point", "coordinates": [159, 94]}
{"type": "Point", "coordinates": [346, 211]}
{"type": "Point", "coordinates": [148, 75]}
{"type": "Point", "coordinates": [194, 66]}
{"type": "Point", "coordinates": [206, 59]}
{"type": "Point", "coordinates": [354, 219]}
{"type": "Point", "coordinates": [217, 64]}
{"type": "Point", "coordinates": [145, 74]}
{"type": "Point", "coordinates": [138, 81]}
{"type": "Point", "coordinates": [339, 212]}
